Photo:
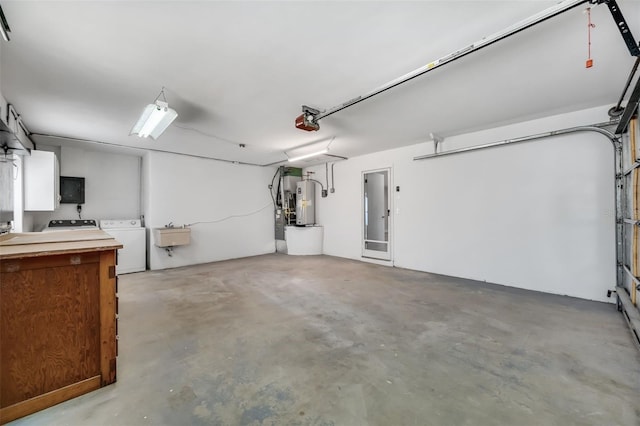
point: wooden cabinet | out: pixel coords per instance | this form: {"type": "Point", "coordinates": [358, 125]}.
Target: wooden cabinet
{"type": "Point", "coordinates": [58, 309]}
{"type": "Point", "coordinates": [41, 181]}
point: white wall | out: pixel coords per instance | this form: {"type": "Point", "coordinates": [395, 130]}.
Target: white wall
{"type": "Point", "coordinates": [538, 215]}
{"type": "Point", "coordinates": [112, 186]}
{"type": "Point", "coordinates": [185, 190]}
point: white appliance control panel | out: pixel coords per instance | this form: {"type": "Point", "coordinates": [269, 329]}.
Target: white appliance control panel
{"type": "Point", "coordinates": [119, 224]}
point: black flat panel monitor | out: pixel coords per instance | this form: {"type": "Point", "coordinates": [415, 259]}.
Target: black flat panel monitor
{"type": "Point", "coordinates": [71, 190]}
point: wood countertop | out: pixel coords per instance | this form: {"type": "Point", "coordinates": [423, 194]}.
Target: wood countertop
{"type": "Point", "coordinates": [35, 244]}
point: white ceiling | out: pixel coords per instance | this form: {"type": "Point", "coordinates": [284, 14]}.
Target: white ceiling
{"type": "Point", "coordinates": [238, 72]}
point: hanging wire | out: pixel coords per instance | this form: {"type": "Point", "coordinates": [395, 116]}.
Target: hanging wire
{"type": "Point", "coordinates": [230, 217]}
{"type": "Point", "coordinates": [164, 98]}
{"type": "Point", "coordinates": [275, 205]}
{"type": "Point", "coordinates": [213, 136]}
{"type": "Point", "coordinates": [209, 135]}
{"type": "Point", "coordinates": [590, 25]}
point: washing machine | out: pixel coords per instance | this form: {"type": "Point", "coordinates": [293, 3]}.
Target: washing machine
{"type": "Point", "coordinates": [70, 224]}
{"type": "Point", "coordinates": [132, 257]}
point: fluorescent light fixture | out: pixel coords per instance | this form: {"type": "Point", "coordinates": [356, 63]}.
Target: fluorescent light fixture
{"type": "Point", "coordinates": [311, 154]}
{"type": "Point", "coordinates": [154, 120]}
{"type": "Point", "coordinates": [4, 26]}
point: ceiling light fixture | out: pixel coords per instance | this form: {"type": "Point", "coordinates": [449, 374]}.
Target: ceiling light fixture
{"type": "Point", "coordinates": [4, 26]}
{"type": "Point", "coordinates": [155, 118]}
{"type": "Point", "coordinates": [311, 154]}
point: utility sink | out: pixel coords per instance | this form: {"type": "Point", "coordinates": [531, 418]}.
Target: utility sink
{"type": "Point", "coordinates": [171, 237]}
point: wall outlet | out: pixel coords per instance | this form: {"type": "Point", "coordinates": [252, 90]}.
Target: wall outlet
{"type": "Point", "coordinates": [324, 193]}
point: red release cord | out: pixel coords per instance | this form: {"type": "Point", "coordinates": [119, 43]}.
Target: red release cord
{"type": "Point", "coordinates": [589, 26]}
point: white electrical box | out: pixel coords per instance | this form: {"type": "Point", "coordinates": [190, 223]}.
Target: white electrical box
{"type": "Point", "coordinates": [41, 181]}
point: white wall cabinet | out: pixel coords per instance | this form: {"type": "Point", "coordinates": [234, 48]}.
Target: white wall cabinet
{"type": "Point", "coordinates": [41, 181]}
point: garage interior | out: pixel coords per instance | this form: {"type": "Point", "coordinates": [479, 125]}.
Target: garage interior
{"type": "Point", "coordinates": [359, 213]}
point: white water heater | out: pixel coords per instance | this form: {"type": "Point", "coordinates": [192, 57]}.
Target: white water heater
{"type": "Point", "coordinates": [305, 203]}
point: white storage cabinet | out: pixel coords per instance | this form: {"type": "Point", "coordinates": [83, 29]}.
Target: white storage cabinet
{"type": "Point", "coordinates": [41, 181]}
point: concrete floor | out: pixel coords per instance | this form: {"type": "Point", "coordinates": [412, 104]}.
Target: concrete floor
{"type": "Point", "coordinates": [281, 340]}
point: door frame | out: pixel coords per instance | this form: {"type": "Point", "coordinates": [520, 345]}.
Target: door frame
{"type": "Point", "coordinates": [373, 254]}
